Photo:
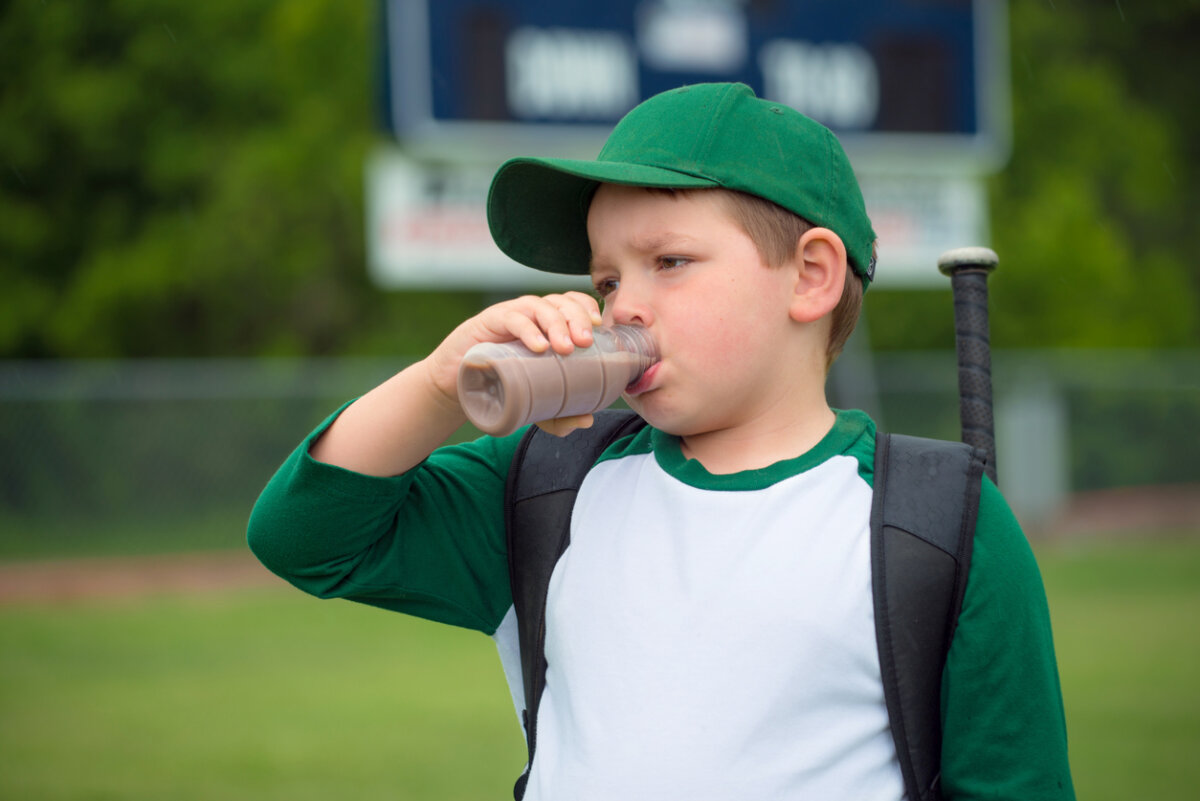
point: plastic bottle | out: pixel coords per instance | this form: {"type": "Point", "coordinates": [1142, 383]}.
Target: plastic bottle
{"type": "Point", "coordinates": [503, 386]}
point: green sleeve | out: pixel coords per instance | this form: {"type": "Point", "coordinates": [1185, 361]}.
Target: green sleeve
{"type": "Point", "coordinates": [1004, 732]}
{"type": "Point", "coordinates": [429, 542]}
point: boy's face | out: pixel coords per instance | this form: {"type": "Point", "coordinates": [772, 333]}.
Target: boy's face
{"type": "Point", "coordinates": [682, 267]}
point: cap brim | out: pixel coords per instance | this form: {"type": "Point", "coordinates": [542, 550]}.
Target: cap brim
{"type": "Point", "coordinates": [537, 208]}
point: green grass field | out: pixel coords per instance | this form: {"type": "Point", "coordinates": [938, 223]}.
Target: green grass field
{"type": "Point", "coordinates": [1127, 631]}
{"type": "Point", "coordinates": [268, 694]}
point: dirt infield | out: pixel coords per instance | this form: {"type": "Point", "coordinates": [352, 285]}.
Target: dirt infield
{"type": "Point", "coordinates": [1170, 510]}
{"type": "Point", "coordinates": [73, 580]}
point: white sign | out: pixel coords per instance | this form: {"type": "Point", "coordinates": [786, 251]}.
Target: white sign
{"type": "Point", "coordinates": [919, 217]}
{"type": "Point", "coordinates": [427, 227]}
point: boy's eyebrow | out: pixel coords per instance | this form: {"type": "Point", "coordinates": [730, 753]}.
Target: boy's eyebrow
{"type": "Point", "coordinates": [649, 244]}
{"type": "Point", "coordinates": [660, 241]}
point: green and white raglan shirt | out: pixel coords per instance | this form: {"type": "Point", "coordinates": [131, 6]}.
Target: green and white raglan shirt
{"type": "Point", "coordinates": [708, 636]}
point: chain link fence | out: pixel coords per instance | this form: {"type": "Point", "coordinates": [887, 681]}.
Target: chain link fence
{"type": "Point", "coordinates": [1067, 421]}
{"type": "Point", "coordinates": [118, 456]}
{"type": "Point", "coordinates": [121, 456]}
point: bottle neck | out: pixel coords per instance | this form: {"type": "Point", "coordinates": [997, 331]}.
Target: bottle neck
{"type": "Point", "coordinates": [636, 339]}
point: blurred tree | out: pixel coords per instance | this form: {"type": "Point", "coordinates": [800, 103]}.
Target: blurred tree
{"type": "Point", "coordinates": [1093, 216]}
{"type": "Point", "coordinates": [183, 178]}
{"type": "Point", "coordinates": [186, 179]}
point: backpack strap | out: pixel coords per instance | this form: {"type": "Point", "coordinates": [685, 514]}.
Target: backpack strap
{"type": "Point", "coordinates": [925, 502]}
{"type": "Point", "coordinates": [543, 480]}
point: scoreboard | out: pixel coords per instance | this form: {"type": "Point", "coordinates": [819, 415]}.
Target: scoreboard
{"type": "Point", "coordinates": [890, 77]}
{"type": "Point", "coordinates": [916, 90]}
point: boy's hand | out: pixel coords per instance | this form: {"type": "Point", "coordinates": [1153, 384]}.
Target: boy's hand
{"type": "Point", "coordinates": [561, 321]}
{"type": "Point", "coordinates": [390, 429]}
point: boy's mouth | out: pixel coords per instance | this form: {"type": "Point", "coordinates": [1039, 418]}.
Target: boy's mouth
{"type": "Point", "coordinates": [643, 383]}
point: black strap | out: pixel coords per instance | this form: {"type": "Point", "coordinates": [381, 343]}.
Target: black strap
{"type": "Point", "coordinates": [926, 499]}
{"type": "Point", "coordinates": [543, 480]}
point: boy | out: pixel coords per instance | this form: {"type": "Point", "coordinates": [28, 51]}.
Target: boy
{"type": "Point", "coordinates": [709, 630]}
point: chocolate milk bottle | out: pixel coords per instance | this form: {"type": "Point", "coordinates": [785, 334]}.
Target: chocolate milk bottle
{"type": "Point", "coordinates": [503, 386]}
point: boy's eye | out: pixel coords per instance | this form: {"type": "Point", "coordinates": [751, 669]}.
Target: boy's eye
{"type": "Point", "coordinates": [606, 286]}
{"type": "Point", "coordinates": [672, 262]}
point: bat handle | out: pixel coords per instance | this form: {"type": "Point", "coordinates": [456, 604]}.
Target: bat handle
{"type": "Point", "coordinates": [968, 269]}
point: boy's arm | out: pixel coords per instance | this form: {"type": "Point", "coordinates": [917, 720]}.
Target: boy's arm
{"type": "Point", "coordinates": [367, 509]}
{"type": "Point", "coordinates": [395, 426]}
{"type": "Point", "coordinates": [428, 543]}
{"type": "Point", "coordinates": [1004, 732]}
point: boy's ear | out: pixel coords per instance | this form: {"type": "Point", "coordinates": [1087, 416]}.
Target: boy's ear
{"type": "Point", "coordinates": [821, 264]}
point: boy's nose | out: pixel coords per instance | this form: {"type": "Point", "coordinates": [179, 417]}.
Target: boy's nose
{"type": "Point", "coordinates": [625, 307]}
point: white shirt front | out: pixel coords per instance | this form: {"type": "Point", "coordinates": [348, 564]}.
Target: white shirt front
{"type": "Point", "coordinates": [714, 644]}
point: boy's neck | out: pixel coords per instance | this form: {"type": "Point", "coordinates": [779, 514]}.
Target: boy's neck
{"type": "Point", "coordinates": [760, 443]}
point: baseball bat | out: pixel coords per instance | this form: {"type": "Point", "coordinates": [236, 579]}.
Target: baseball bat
{"type": "Point", "coordinates": [968, 269]}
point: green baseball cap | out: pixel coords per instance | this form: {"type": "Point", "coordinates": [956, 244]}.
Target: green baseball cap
{"type": "Point", "coordinates": [700, 136]}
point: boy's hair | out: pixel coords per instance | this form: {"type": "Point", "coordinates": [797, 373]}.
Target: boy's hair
{"type": "Point", "coordinates": [703, 136]}
{"type": "Point", "coordinates": [775, 231]}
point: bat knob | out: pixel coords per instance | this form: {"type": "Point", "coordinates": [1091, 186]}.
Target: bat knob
{"type": "Point", "coordinates": [974, 259]}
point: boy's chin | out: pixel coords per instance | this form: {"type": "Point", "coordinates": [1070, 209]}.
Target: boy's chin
{"type": "Point", "coordinates": [668, 421]}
